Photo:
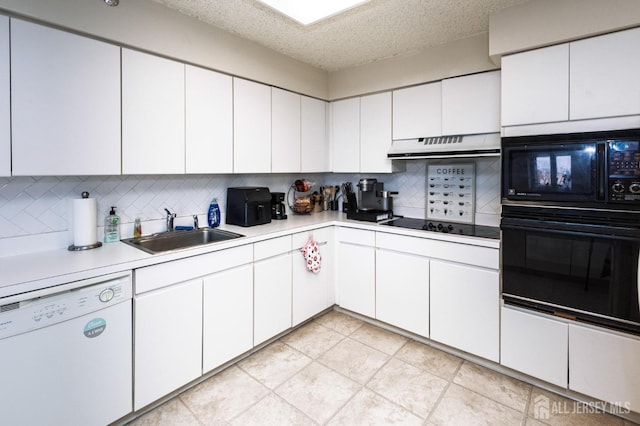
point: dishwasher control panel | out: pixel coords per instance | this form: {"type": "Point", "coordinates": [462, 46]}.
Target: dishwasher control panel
{"type": "Point", "coordinates": [17, 317]}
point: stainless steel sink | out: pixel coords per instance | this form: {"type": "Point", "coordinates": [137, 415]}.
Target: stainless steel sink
{"type": "Point", "coordinates": [174, 240]}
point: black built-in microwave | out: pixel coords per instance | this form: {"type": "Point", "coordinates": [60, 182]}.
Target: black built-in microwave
{"type": "Point", "coordinates": [596, 169]}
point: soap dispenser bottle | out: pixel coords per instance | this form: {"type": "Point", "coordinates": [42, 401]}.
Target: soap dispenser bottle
{"type": "Point", "coordinates": [213, 217]}
{"type": "Point", "coordinates": [112, 226]}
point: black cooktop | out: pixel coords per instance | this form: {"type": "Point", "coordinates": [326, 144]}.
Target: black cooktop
{"type": "Point", "coordinates": [445, 227]}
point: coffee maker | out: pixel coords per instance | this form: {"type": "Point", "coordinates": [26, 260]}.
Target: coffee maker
{"type": "Point", "coordinates": [278, 211]}
{"type": "Point", "coordinates": [373, 203]}
{"type": "Point", "coordinates": [373, 197]}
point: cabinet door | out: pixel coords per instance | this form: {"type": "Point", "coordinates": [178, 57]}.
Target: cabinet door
{"type": "Point", "coordinates": [417, 111]}
{"type": "Point", "coordinates": [271, 288]}
{"type": "Point", "coordinates": [5, 107]}
{"type": "Point", "coordinates": [402, 290]}
{"type": "Point", "coordinates": [208, 121]}
{"type": "Point", "coordinates": [285, 131]}
{"type": "Point", "coordinates": [535, 86]}
{"type": "Point", "coordinates": [65, 103]}
{"type": "Point", "coordinates": [168, 340]}
{"type": "Point", "coordinates": [375, 133]}
{"type": "Point", "coordinates": [251, 127]}
{"type": "Point", "coordinates": [605, 365]}
{"type": "Point", "coordinates": [345, 131]}
{"type": "Point", "coordinates": [152, 114]}
{"type": "Point", "coordinates": [471, 104]}
{"type": "Point", "coordinates": [314, 149]}
{"type": "Point", "coordinates": [604, 79]}
{"type": "Point", "coordinates": [227, 316]}
{"type": "Point", "coordinates": [535, 345]}
{"type": "Point", "coordinates": [312, 292]}
{"type": "Point", "coordinates": [465, 308]}
{"type": "Point", "coordinates": [356, 258]}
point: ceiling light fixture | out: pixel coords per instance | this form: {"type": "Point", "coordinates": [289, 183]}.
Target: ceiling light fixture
{"type": "Point", "coordinates": [308, 12]}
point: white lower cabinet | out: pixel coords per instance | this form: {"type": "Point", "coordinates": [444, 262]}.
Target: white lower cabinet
{"type": "Point", "coordinates": [535, 345]}
{"type": "Point", "coordinates": [227, 315]}
{"type": "Point", "coordinates": [168, 340]}
{"type": "Point", "coordinates": [356, 271]}
{"type": "Point", "coordinates": [605, 365]}
{"type": "Point", "coordinates": [5, 99]}
{"type": "Point", "coordinates": [313, 292]}
{"type": "Point", "coordinates": [465, 308]}
{"type": "Point", "coordinates": [271, 288]}
{"type": "Point", "coordinates": [402, 284]}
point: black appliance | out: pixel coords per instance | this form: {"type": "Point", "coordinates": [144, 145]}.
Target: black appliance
{"type": "Point", "coordinates": [278, 210]}
{"type": "Point", "coordinates": [596, 169]}
{"type": "Point", "coordinates": [248, 206]}
{"type": "Point", "coordinates": [571, 226]}
{"type": "Point", "coordinates": [576, 263]}
{"type": "Point", "coordinates": [444, 227]}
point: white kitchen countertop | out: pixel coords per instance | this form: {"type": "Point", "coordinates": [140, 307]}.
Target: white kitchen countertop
{"type": "Point", "coordinates": [35, 271]}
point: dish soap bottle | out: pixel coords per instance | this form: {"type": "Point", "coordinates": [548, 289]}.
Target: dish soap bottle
{"type": "Point", "coordinates": [214, 214]}
{"type": "Point", "coordinates": [137, 228]}
{"type": "Point", "coordinates": [112, 226]}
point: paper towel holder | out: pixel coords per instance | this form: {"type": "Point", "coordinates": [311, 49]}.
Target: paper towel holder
{"type": "Point", "coordinates": [97, 244]}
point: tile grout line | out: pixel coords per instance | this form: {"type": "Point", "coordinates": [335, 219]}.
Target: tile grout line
{"type": "Point", "coordinates": [444, 391]}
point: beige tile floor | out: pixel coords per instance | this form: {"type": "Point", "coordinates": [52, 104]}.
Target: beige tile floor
{"type": "Point", "coordinates": [338, 370]}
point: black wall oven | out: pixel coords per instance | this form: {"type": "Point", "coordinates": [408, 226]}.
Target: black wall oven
{"type": "Point", "coordinates": [571, 226]}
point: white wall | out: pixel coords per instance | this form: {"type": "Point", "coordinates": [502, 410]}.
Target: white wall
{"type": "Point", "coordinates": [460, 57]}
{"type": "Point", "coordinates": [150, 26]}
{"type": "Point", "coordinates": [540, 23]}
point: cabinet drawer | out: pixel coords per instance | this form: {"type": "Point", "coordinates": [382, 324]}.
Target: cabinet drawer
{"type": "Point", "coordinates": [272, 247]}
{"type": "Point", "coordinates": [400, 243]}
{"type": "Point", "coordinates": [158, 276]}
{"type": "Point", "coordinates": [322, 237]}
{"type": "Point", "coordinates": [485, 257]}
{"type": "Point", "coordinates": [357, 236]}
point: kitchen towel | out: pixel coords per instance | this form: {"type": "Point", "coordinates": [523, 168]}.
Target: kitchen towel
{"type": "Point", "coordinates": [311, 255]}
{"type": "Point", "coordinates": [85, 221]}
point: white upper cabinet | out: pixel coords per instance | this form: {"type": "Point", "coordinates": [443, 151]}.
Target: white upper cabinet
{"type": "Point", "coordinates": [209, 121]}
{"type": "Point", "coordinates": [361, 134]}
{"type": "Point", "coordinates": [285, 131]}
{"type": "Point", "coordinates": [535, 86]}
{"type": "Point", "coordinates": [375, 133]}
{"type": "Point", "coordinates": [251, 127]}
{"type": "Point", "coordinates": [314, 147]}
{"type": "Point", "coordinates": [65, 101]}
{"type": "Point", "coordinates": [5, 106]}
{"type": "Point", "coordinates": [153, 114]}
{"type": "Point", "coordinates": [471, 104]}
{"type": "Point", "coordinates": [345, 129]}
{"type": "Point", "coordinates": [417, 111]}
{"type": "Point", "coordinates": [604, 77]}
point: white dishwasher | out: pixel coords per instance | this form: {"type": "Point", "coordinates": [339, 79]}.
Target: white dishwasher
{"type": "Point", "coordinates": [65, 353]}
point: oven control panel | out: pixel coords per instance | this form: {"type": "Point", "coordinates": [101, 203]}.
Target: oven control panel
{"type": "Point", "coordinates": [624, 171]}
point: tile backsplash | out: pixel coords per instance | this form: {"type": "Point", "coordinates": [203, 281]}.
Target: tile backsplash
{"type": "Point", "coordinates": [39, 207]}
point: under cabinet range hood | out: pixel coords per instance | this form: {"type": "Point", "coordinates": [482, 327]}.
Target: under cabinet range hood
{"type": "Point", "coordinates": [482, 145]}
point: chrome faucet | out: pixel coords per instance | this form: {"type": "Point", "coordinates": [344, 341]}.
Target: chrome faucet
{"type": "Point", "coordinates": [195, 221]}
{"type": "Point", "coordinates": [170, 217]}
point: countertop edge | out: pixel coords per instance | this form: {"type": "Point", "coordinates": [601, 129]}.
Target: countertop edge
{"type": "Point", "coordinates": [35, 271]}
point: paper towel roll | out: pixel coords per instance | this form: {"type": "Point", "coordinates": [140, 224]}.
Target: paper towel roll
{"type": "Point", "coordinates": [85, 220]}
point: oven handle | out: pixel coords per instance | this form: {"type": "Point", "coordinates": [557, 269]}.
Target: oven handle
{"type": "Point", "coordinates": [588, 230]}
{"type": "Point", "coordinates": [600, 171]}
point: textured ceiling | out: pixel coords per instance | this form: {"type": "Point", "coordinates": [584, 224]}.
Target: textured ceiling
{"type": "Point", "coordinates": [376, 30]}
